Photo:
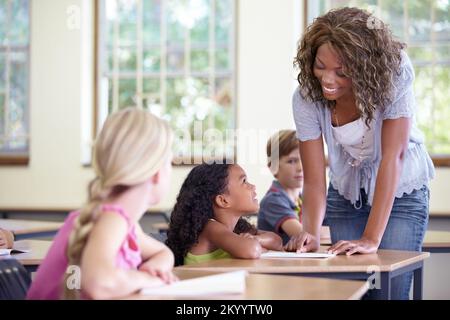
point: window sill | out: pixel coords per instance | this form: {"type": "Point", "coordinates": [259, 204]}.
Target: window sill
{"type": "Point", "coordinates": [442, 161]}
{"type": "Point", "coordinates": [16, 160]}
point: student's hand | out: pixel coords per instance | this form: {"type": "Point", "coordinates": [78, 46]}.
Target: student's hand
{"type": "Point", "coordinates": [304, 242]}
{"type": "Point", "coordinates": [362, 245]}
{"type": "Point", "coordinates": [157, 270]}
{"type": "Point", "coordinates": [6, 239]}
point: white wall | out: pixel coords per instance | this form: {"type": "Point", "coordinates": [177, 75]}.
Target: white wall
{"type": "Point", "coordinates": [55, 177]}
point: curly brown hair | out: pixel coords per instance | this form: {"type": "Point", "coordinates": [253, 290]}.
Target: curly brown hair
{"type": "Point", "coordinates": [370, 56]}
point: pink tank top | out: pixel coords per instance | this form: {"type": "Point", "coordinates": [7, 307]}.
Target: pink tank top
{"type": "Point", "coordinates": [47, 284]}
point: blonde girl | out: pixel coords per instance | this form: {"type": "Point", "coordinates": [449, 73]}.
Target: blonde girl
{"type": "Point", "coordinates": [101, 251]}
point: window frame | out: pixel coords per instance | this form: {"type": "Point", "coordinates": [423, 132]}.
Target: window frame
{"type": "Point", "coordinates": [177, 161]}
{"type": "Point", "coordinates": [22, 157]}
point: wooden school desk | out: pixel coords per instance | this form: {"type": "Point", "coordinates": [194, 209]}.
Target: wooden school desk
{"type": "Point", "coordinates": [30, 260]}
{"type": "Point", "coordinates": [386, 263]}
{"type": "Point", "coordinates": [24, 229]}
{"type": "Point", "coordinates": [278, 287]}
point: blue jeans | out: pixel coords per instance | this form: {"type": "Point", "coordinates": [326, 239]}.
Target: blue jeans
{"type": "Point", "coordinates": [405, 230]}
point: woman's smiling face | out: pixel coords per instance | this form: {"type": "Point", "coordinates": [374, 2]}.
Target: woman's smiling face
{"type": "Point", "coordinates": [328, 70]}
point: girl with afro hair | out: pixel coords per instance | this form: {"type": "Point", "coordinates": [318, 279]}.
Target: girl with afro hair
{"type": "Point", "coordinates": [207, 221]}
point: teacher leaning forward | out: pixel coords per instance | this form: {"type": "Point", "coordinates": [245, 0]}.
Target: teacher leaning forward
{"type": "Point", "coordinates": [356, 91]}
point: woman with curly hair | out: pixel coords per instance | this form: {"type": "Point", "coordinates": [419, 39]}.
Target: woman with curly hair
{"type": "Point", "coordinates": [206, 222]}
{"type": "Point", "coordinates": [356, 91]}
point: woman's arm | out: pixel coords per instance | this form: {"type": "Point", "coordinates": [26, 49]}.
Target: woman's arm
{"type": "Point", "coordinates": [394, 139]}
{"type": "Point", "coordinates": [100, 278]}
{"type": "Point", "coordinates": [314, 194]}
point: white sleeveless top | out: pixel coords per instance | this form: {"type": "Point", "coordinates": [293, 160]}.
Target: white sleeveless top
{"type": "Point", "coordinates": [356, 139]}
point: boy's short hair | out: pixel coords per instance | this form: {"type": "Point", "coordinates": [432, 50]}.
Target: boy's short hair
{"type": "Point", "coordinates": [287, 141]}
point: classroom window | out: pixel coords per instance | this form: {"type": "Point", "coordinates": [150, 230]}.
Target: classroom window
{"type": "Point", "coordinates": [175, 58]}
{"type": "Point", "coordinates": [425, 27]}
{"type": "Point", "coordinates": [14, 72]}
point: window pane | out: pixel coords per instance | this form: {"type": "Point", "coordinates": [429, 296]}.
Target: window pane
{"type": "Point", "coordinates": [419, 14]}
{"type": "Point", "coordinates": [152, 60]}
{"type": "Point", "coordinates": [14, 39]}
{"type": "Point", "coordinates": [224, 95]}
{"type": "Point", "coordinates": [120, 16]}
{"type": "Point", "coordinates": [187, 95]}
{"type": "Point", "coordinates": [200, 31]}
{"type": "Point", "coordinates": [2, 114]}
{"type": "Point", "coordinates": [175, 58]}
{"type": "Point", "coordinates": [3, 21]}
{"type": "Point", "coordinates": [441, 109]}
{"type": "Point", "coordinates": [152, 21]}
{"type": "Point", "coordinates": [420, 54]}
{"type": "Point", "coordinates": [127, 21]}
{"type": "Point", "coordinates": [127, 59]}
{"type": "Point", "coordinates": [18, 100]}
{"type": "Point", "coordinates": [222, 59]}
{"type": "Point", "coordinates": [151, 97]}
{"type": "Point", "coordinates": [224, 16]}
{"type": "Point", "coordinates": [127, 92]}
{"type": "Point", "coordinates": [175, 16]}
{"type": "Point", "coordinates": [18, 33]}
{"type": "Point", "coordinates": [200, 60]}
{"type": "Point", "coordinates": [2, 71]}
{"type": "Point", "coordinates": [443, 52]}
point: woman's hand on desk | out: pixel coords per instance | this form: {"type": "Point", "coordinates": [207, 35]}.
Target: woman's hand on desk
{"type": "Point", "coordinates": [362, 245]}
{"type": "Point", "coordinates": [304, 242]}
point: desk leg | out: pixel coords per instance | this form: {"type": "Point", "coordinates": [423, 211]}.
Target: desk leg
{"type": "Point", "coordinates": [385, 286]}
{"type": "Point", "coordinates": [418, 284]}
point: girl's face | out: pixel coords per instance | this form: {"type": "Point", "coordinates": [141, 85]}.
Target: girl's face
{"type": "Point", "coordinates": [241, 193]}
{"type": "Point", "coordinates": [328, 70]}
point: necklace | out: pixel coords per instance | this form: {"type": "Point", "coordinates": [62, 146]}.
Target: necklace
{"type": "Point", "coordinates": [353, 162]}
{"type": "Point", "coordinates": [336, 117]}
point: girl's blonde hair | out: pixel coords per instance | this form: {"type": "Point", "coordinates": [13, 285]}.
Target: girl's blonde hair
{"type": "Point", "coordinates": [131, 147]}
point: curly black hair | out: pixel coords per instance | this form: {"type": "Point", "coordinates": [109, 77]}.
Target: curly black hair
{"type": "Point", "coordinates": [194, 207]}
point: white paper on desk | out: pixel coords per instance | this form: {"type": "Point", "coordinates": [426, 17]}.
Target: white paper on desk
{"type": "Point", "coordinates": [284, 254]}
{"type": "Point", "coordinates": [223, 283]}
{"type": "Point", "coordinates": [6, 252]}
